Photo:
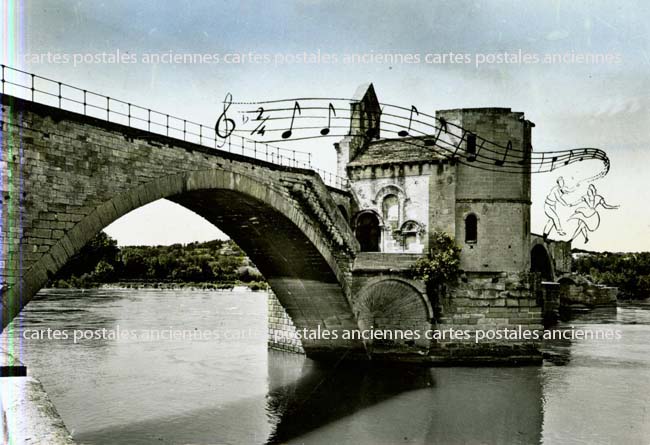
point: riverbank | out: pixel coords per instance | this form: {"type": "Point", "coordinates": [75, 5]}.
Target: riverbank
{"type": "Point", "coordinates": [27, 415]}
{"type": "Point", "coordinates": [254, 286]}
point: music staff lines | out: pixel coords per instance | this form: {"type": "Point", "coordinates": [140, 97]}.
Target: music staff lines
{"type": "Point", "coordinates": [536, 158]}
{"type": "Point", "coordinates": [418, 129]}
{"type": "Point", "coordinates": [405, 129]}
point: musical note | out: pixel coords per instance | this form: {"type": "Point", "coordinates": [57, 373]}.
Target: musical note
{"type": "Point", "coordinates": [500, 162]}
{"type": "Point", "coordinates": [224, 120]}
{"type": "Point", "coordinates": [404, 133]}
{"type": "Point", "coordinates": [287, 134]}
{"type": "Point", "coordinates": [526, 155]}
{"type": "Point", "coordinates": [541, 163]}
{"type": "Point", "coordinates": [570, 157]}
{"type": "Point", "coordinates": [325, 131]}
{"type": "Point", "coordinates": [553, 161]}
{"type": "Point", "coordinates": [582, 157]}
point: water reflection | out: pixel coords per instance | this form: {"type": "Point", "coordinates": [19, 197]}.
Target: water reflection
{"type": "Point", "coordinates": [602, 394]}
{"type": "Point", "coordinates": [379, 404]}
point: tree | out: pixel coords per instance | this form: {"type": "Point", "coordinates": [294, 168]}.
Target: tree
{"type": "Point", "coordinates": [135, 263]}
{"type": "Point", "coordinates": [103, 272]}
{"type": "Point", "coordinates": [102, 248]}
{"type": "Point", "coordinates": [630, 272]}
{"type": "Point", "coordinates": [442, 264]}
{"type": "Point", "coordinates": [439, 268]}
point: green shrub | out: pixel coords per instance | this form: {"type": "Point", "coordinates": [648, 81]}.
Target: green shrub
{"type": "Point", "coordinates": [441, 265]}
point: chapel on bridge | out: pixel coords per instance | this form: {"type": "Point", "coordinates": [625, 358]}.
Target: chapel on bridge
{"type": "Point", "coordinates": [404, 190]}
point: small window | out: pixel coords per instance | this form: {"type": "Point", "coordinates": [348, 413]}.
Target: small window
{"type": "Point", "coordinates": [471, 147]}
{"type": "Point", "coordinates": [410, 241]}
{"type": "Point", "coordinates": [471, 228]}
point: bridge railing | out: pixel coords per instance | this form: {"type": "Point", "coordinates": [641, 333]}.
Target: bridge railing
{"type": "Point", "coordinates": [28, 86]}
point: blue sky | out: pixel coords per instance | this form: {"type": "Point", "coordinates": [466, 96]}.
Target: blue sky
{"type": "Point", "coordinates": [573, 105]}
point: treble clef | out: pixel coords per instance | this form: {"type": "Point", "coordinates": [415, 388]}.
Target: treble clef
{"type": "Point", "coordinates": [225, 125]}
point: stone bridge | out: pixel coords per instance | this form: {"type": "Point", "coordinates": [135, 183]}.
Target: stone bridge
{"type": "Point", "coordinates": [68, 175]}
{"type": "Point", "coordinates": [69, 171]}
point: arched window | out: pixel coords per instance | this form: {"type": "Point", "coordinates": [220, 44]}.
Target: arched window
{"type": "Point", "coordinates": [390, 210]}
{"type": "Point", "coordinates": [411, 232]}
{"type": "Point", "coordinates": [471, 228]}
{"type": "Point", "coordinates": [367, 232]}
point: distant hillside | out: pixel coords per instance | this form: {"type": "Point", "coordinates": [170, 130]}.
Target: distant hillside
{"type": "Point", "coordinates": [213, 264]}
{"type": "Point", "coordinates": [630, 272]}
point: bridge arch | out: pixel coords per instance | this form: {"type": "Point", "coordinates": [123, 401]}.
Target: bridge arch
{"type": "Point", "coordinates": [541, 262]}
{"type": "Point", "coordinates": [305, 272]}
{"type": "Point", "coordinates": [393, 304]}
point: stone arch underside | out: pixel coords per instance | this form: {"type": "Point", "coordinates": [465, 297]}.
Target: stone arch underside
{"type": "Point", "coordinates": [304, 269]}
{"type": "Point", "coordinates": [393, 304]}
{"type": "Point", "coordinates": [541, 262]}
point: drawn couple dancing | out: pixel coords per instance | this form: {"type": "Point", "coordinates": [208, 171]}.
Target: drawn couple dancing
{"type": "Point", "coordinates": [587, 215]}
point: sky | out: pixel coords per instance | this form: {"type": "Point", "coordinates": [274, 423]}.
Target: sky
{"type": "Point", "coordinates": [603, 105]}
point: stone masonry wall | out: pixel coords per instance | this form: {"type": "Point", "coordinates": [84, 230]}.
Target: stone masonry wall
{"type": "Point", "coordinates": [282, 331]}
{"type": "Point", "coordinates": [410, 184]}
{"type": "Point", "coordinates": [586, 295]}
{"type": "Point", "coordinates": [489, 302]}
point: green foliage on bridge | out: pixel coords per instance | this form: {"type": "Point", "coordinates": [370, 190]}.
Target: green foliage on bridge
{"type": "Point", "coordinates": [630, 272]}
{"type": "Point", "coordinates": [220, 263]}
{"type": "Point", "coordinates": [441, 265]}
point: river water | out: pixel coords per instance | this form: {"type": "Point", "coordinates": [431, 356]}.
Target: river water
{"type": "Point", "coordinates": [146, 386]}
